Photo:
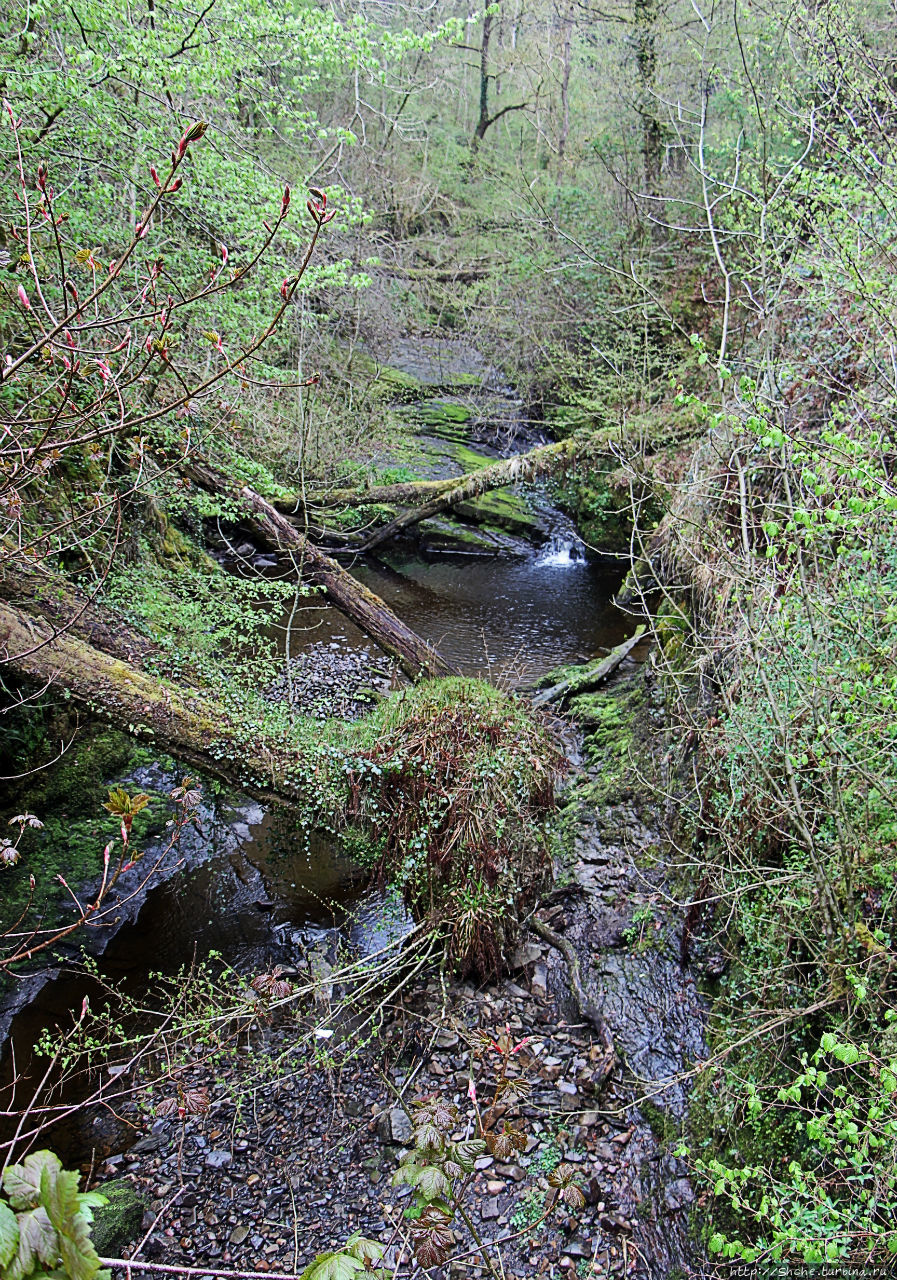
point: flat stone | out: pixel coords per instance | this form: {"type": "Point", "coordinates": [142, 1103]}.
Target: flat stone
{"type": "Point", "coordinates": [218, 1159]}
{"type": "Point", "coordinates": [238, 1235]}
{"type": "Point", "coordinates": [489, 1210]}
{"type": "Point", "coordinates": [579, 1249]}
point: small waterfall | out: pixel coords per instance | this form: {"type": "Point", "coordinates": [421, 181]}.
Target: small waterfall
{"type": "Point", "coordinates": [563, 548]}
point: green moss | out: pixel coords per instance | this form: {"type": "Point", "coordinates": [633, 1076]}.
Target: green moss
{"type": "Point", "coordinates": [117, 1223]}
{"type": "Point", "coordinates": [448, 535]}
{"type": "Point", "coordinates": [505, 510]}
{"type": "Point", "coordinates": [672, 629]}
{"type": "Point", "coordinates": [611, 721]}
{"type": "Point", "coordinates": [663, 1124]}
{"type": "Point", "coordinates": [68, 799]}
{"type": "Point", "coordinates": [444, 419]}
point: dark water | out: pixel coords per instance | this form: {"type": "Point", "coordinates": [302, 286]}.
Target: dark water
{"type": "Point", "coordinates": [510, 620]}
{"type": "Point", "coordinates": [253, 888]}
{"type": "Point", "coordinates": [507, 619]}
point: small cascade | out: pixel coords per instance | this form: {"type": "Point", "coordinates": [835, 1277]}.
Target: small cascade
{"type": "Point", "coordinates": [563, 548]}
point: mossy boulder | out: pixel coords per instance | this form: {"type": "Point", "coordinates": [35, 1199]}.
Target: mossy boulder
{"type": "Point", "coordinates": [118, 1222]}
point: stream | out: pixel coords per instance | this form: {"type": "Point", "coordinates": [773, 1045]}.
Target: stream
{"type": "Point", "coordinates": [252, 887]}
{"type": "Point", "coordinates": [255, 889]}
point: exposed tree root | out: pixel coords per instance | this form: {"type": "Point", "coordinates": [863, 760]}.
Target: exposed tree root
{"type": "Point", "coordinates": [587, 1007]}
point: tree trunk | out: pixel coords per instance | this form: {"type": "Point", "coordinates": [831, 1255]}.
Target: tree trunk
{"type": "Point", "coordinates": [178, 719]}
{"type": "Point", "coordinates": [523, 466]}
{"type": "Point", "coordinates": [400, 494]}
{"type": "Point", "coordinates": [375, 618]}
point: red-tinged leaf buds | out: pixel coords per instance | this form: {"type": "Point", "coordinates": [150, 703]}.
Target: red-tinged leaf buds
{"type": "Point", "coordinates": [285, 202]}
{"type": "Point", "coordinates": [224, 255]}
{"type": "Point", "coordinates": [192, 135]}
{"type": "Point", "coordinates": [23, 298]}
{"type": "Point", "coordinates": [175, 186]}
{"type": "Point", "coordinates": [72, 290]}
{"type": "Point", "coordinates": [267, 226]}
{"type": "Point", "coordinates": [155, 176]}
{"type": "Point", "coordinates": [284, 290]}
{"type": "Point", "coordinates": [107, 852]}
{"type": "Point", "coordinates": [85, 1005]}
{"type": "Point", "coordinates": [317, 206]}
{"type": "Point", "coordinates": [42, 175]}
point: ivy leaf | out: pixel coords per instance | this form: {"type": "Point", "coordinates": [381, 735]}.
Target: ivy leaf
{"type": "Point", "coordinates": [21, 1182]}
{"type": "Point", "coordinates": [9, 1234]}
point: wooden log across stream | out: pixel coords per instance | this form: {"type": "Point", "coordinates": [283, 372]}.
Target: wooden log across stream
{"type": "Point", "coordinates": [367, 610]}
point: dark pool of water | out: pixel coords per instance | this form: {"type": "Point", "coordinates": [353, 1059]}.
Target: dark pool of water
{"type": "Point", "coordinates": [507, 619]}
{"type": "Point", "coordinates": [510, 620]}
{"type": "Point", "coordinates": [253, 888]}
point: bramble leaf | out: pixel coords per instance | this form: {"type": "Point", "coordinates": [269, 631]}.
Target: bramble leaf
{"type": "Point", "coordinates": [21, 1182]}
{"type": "Point", "coordinates": [9, 1234]}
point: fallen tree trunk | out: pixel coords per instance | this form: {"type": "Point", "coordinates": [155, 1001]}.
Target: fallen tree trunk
{"type": "Point", "coordinates": [523, 466]}
{"type": "Point", "coordinates": [376, 619]}
{"type": "Point", "coordinates": [591, 675]}
{"type": "Point", "coordinates": [181, 720]}
{"type": "Point", "coordinates": [400, 493]}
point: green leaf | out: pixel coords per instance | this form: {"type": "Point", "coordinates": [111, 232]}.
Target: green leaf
{"type": "Point", "coordinates": [432, 1183]}
{"type": "Point", "coordinates": [59, 1195]}
{"type": "Point", "coordinates": [468, 1152]}
{"type": "Point", "coordinates": [21, 1182]}
{"type": "Point", "coordinates": [9, 1234]}
{"type": "Point", "coordinates": [37, 1242]}
{"type": "Point", "coordinates": [364, 1250]}
{"type": "Point", "coordinates": [332, 1266]}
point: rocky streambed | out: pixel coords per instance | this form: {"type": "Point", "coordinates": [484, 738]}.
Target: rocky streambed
{"type": "Point", "coordinates": [289, 1162]}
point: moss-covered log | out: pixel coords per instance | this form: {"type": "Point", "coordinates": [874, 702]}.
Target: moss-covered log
{"type": "Point", "coordinates": [366, 609]}
{"type": "Point", "coordinates": [523, 466]}
{"type": "Point", "coordinates": [178, 719]}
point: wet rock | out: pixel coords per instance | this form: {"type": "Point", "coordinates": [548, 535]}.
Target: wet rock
{"type": "Point", "coordinates": [152, 1142]}
{"type": "Point", "coordinates": [218, 1159]}
{"type": "Point", "coordinates": [394, 1126]}
{"type": "Point", "coordinates": [489, 1209]}
{"type": "Point", "coordinates": [678, 1194]}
